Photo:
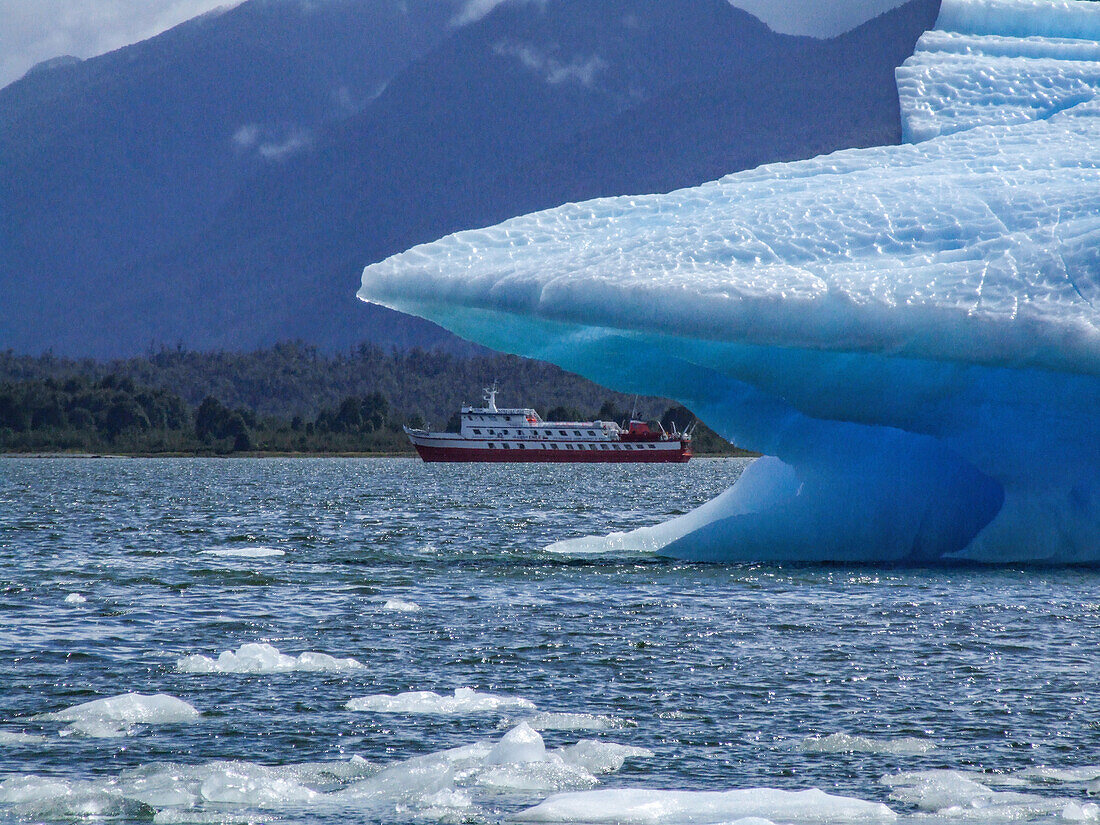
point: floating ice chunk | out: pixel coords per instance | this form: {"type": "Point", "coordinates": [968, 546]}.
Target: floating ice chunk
{"type": "Point", "coordinates": [842, 743]}
{"type": "Point", "coordinates": [245, 552]}
{"type": "Point", "coordinates": [601, 757]}
{"type": "Point", "coordinates": [656, 807]}
{"type": "Point", "coordinates": [465, 700]}
{"type": "Point", "coordinates": [45, 798]}
{"type": "Point", "coordinates": [571, 721]}
{"type": "Point", "coordinates": [401, 606]}
{"type": "Point", "coordinates": [1069, 776]}
{"type": "Point", "coordinates": [960, 796]}
{"type": "Point", "coordinates": [1078, 812]}
{"type": "Point", "coordinates": [264, 658]}
{"type": "Point", "coordinates": [520, 744]}
{"type": "Point", "coordinates": [15, 738]}
{"type": "Point", "coordinates": [543, 776]}
{"type": "Point", "coordinates": [75, 598]}
{"type": "Point", "coordinates": [115, 715]}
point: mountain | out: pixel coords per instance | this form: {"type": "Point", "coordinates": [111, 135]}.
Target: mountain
{"type": "Point", "coordinates": [221, 201]}
{"type": "Point", "coordinates": [106, 161]}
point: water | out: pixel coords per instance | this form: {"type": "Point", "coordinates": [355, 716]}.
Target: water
{"type": "Point", "coordinates": [434, 578]}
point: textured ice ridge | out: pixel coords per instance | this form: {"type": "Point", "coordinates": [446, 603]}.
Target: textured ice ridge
{"type": "Point", "coordinates": [911, 333]}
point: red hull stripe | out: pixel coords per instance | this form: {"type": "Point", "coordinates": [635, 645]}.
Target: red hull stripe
{"type": "Point", "coordinates": [554, 456]}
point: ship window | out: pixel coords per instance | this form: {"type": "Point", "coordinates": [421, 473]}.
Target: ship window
{"type": "Point", "coordinates": [491, 445]}
{"type": "Point", "coordinates": [504, 432]}
{"type": "Point", "coordinates": [576, 432]}
{"type": "Point", "coordinates": [477, 432]}
{"type": "Point", "coordinates": [651, 446]}
{"type": "Point", "coordinates": [553, 446]}
{"type": "Point", "coordinates": [591, 432]}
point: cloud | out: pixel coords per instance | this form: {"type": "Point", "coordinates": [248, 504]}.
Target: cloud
{"type": "Point", "coordinates": [270, 143]}
{"type": "Point", "coordinates": [580, 70]}
{"type": "Point", "coordinates": [35, 30]}
{"type": "Point", "coordinates": [473, 11]}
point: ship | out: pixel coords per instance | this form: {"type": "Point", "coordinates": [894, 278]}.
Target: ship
{"type": "Point", "coordinates": [497, 434]}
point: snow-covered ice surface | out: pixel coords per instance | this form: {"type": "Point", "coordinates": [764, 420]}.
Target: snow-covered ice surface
{"type": "Point", "coordinates": [118, 715]}
{"type": "Point", "coordinates": [256, 657]}
{"type": "Point", "coordinates": [909, 333]}
{"type": "Point", "coordinates": [464, 700]}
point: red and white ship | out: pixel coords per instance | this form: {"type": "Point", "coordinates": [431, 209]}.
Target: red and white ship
{"type": "Point", "coordinates": [492, 434]}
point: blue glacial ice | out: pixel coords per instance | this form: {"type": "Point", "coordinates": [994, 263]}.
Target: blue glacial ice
{"type": "Point", "coordinates": [909, 334]}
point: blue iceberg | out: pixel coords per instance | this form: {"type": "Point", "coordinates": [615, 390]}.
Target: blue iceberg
{"type": "Point", "coordinates": [909, 334]}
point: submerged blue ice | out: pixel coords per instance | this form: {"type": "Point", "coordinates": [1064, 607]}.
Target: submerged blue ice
{"type": "Point", "coordinates": [910, 334]}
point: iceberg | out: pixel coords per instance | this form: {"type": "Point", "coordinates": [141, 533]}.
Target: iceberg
{"type": "Point", "coordinates": [909, 334]}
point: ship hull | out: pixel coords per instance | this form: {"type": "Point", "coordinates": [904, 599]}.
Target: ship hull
{"type": "Point", "coordinates": [674, 454]}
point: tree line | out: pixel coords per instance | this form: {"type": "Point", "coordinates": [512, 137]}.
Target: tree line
{"type": "Point", "coordinates": [289, 398]}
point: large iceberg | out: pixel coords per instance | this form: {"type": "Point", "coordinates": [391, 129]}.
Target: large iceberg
{"type": "Point", "coordinates": [910, 334]}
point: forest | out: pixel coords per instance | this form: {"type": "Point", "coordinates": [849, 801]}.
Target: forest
{"type": "Point", "coordinates": [287, 399]}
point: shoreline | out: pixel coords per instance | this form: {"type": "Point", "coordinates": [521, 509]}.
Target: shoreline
{"type": "Point", "coordinates": [276, 454]}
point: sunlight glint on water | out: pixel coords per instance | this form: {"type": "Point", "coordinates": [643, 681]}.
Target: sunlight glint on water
{"type": "Point", "coordinates": [270, 595]}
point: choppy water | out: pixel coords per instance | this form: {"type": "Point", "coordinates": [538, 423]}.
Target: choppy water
{"type": "Point", "coordinates": [434, 578]}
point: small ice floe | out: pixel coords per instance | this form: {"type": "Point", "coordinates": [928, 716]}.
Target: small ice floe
{"type": "Point", "coordinates": [1078, 812]}
{"type": "Point", "coordinates": [656, 807]}
{"type": "Point", "coordinates": [117, 715]}
{"type": "Point", "coordinates": [516, 763]}
{"type": "Point", "coordinates": [465, 700]}
{"type": "Point", "coordinates": [244, 552]}
{"type": "Point", "coordinates": [842, 743]}
{"type": "Point", "coordinates": [43, 798]}
{"type": "Point", "coordinates": [569, 721]}
{"type": "Point", "coordinates": [961, 795]}
{"type": "Point", "coordinates": [10, 738]}
{"type": "Point", "coordinates": [264, 658]}
{"type": "Point", "coordinates": [401, 606]}
{"type": "Point", "coordinates": [75, 598]}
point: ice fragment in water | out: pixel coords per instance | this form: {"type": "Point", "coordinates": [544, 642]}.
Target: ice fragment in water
{"type": "Point", "coordinates": [910, 333]}
{"type": "Point", "coordinates": [263, 658]}
{"type": "Point", "coordinates": [465, 700]}
{"type": "Point", "coordinates": [520, 744]}
{"type": "Point", "coordinates": [245, 552]}
{"type": "Point", "coordinates": [842, 743]}
{"type": "Point", "coordinates": [627, 806]}
{"type": "Point", "coordinates": [75, 598]}
{"type": "Point", "coordinates": [401, 606]}
{"type": "Point", "coordinates": [571, 721]}
{"type": "Point", "coordinates": [115, 715]}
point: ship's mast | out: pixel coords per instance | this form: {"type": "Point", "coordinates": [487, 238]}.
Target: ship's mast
{"type": "Point", "coordinates": [491, 397]}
